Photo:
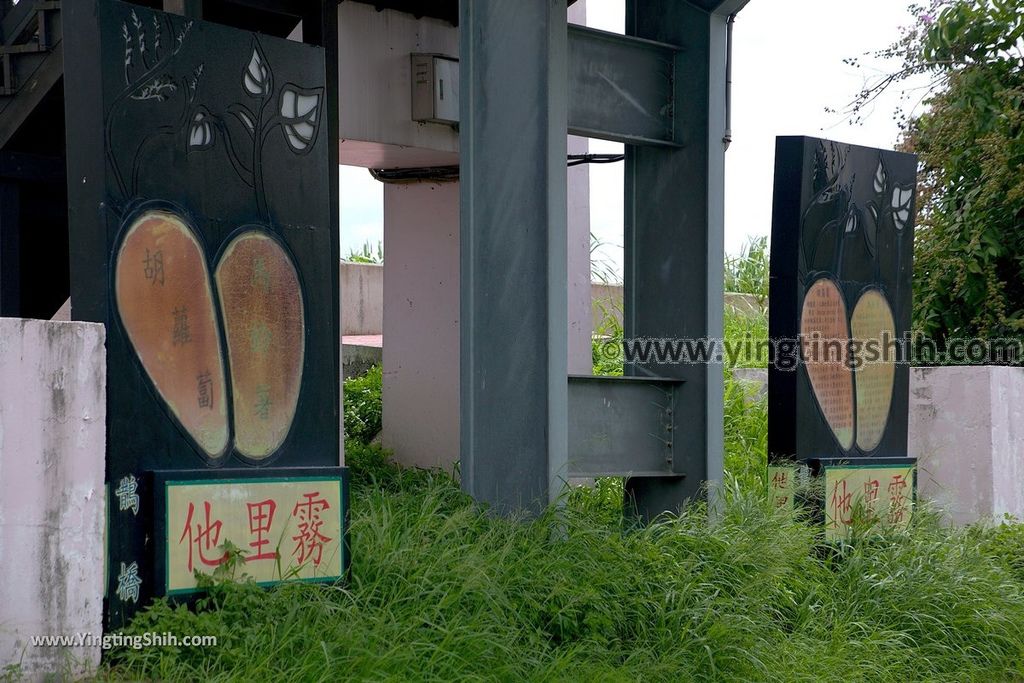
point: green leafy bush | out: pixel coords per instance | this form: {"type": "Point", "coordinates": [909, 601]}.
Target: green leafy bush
{"type": "Point", "coordinates": [363, 405]}
{"type": "Point", "coordinates": [969, 270]}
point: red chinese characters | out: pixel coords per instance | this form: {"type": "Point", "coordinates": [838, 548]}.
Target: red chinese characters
{"type": "Point", "coordinates": [780, 488]}
{"type": "Point", "coordinates": [205, 537]}
{"type": "Point", "coordinates": [309, 541]}
{"type": "Point", "coordinates": [261, 517]}
{"type": "Point", "coordinates": [881, 496]}
{"type": "Point", "coordinates": [202, 532]}
{"type": "Point", "coordinates": [841, 503]}
{"type": "Point", "coordinates": [897, 499]}
{"type": "Point", "coordinates": [782, 485]}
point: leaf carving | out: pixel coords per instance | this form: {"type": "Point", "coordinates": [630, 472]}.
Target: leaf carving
{"type": "Point", "coordinates": [200, 135]}
{"type": "Point", "coordinates": [257, 77]}
{"type": "Point", "coordinates": [300, 116]}
{"type": "Point", "coordinates": [901, 200]}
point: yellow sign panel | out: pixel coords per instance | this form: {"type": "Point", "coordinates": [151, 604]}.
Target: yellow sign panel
{"type": "Point", "coordinates": [884, 494]}
{"type": "Point", "coordinates": [285, 529]}
{"type": "Point", "coordinates": [781, 486]}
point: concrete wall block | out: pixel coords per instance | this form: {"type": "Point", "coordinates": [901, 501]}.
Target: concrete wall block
{"type": "Point", "coordinates": [52, 502]}
{"type": "Point", "coordinates": [966, 432]}
{"type": "Point", "coordinates": [607, 301]}
{"type": "Point", "coordinates": [356, 359]}
{"type": "Point", "coordinates": [1007, 391]}
{"type": "Point", "coordinates": [362, 298]}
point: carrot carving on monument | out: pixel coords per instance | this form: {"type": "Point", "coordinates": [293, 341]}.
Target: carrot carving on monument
{"type": "Point", "coordinates": [219, 329]}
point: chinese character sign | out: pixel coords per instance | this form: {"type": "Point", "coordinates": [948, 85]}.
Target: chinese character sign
{"type": "Point", "coordinates": [883, 494]}
{"type": "Point", "coordinates": [289, 527]}
{"type": "Point", "coordinates": [781, 486]}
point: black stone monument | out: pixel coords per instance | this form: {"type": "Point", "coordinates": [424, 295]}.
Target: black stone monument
{"type": "Point", "coordinates": [202, 234]}
{"type": "Point", "coordinates": [840, 319]}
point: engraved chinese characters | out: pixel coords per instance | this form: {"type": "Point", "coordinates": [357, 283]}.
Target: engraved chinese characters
{"type": "Point", "coordinates": [841, 266]}
{"type": "Point", "coordinates": [824, 333]}
{"type": "Point", "coordinates": [165, 301]}
{"type": "Point", "coordinates": [263, 322]}
{"type": "Point", "coordinates": [873, 326]}
{"type": "Point", "coordinates": [848, 361]}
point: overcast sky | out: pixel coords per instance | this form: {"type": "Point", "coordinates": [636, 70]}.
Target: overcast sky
{"type": "Point", "coordinates": [788, 68]}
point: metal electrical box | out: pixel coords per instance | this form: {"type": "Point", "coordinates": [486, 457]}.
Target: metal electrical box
{"type": "Point", "coordinates": [435, 89]}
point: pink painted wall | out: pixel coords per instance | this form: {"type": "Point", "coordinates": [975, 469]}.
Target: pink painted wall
{"type": "Point", "coordinates": [52, 447]}
{"type": "Point", "coordinates": [421, 323]}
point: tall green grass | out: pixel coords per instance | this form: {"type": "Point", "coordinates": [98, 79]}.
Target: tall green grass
{"type": "Point", "coordinates": [747, 272]}
{"type": "Point", "coordinates": [746, 416]}
{"type": "Point", "coordinates": [367, 253]}
{"type": "Point", "coordinates": [443, 591]}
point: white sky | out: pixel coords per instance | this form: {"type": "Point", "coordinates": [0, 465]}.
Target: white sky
{"type": "Point", "coordinates": [787, 69]}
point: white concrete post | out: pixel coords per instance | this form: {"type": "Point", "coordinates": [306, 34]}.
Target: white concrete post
{"type": "Point", "coordinates": [52, 503]}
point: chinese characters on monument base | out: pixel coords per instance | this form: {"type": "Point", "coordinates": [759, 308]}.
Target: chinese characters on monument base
{"type": "Point", "coordinates": [781, 486]}
{"type": "Point", "coordinates": [882, 495]}
{"type": "Point", "coordinates": [283, 528]}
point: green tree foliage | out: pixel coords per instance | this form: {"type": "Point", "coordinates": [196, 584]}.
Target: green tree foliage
{"type": "Point", "coordinates": [970, 248]}
{"type": "Point", "coordinates": [969, 252]}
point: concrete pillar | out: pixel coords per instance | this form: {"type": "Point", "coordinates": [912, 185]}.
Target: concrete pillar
{"type": "Point", "coordinates": [966, 432]}
{"type": "Point", "coordinates": [580, 307]}
{"type": "Point", "coordinates": [421, 323]}
{"type": "Point", "coordinates": [52, 447]}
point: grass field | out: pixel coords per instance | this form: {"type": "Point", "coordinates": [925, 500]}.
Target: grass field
{"type": "Point", "coordinates": [443, 591]}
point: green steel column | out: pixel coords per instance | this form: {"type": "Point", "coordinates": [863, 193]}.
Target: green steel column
{"type": "Point", "coordinates": [514, 386]}
{"type": "Point", "coordinates": [674, 204]}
